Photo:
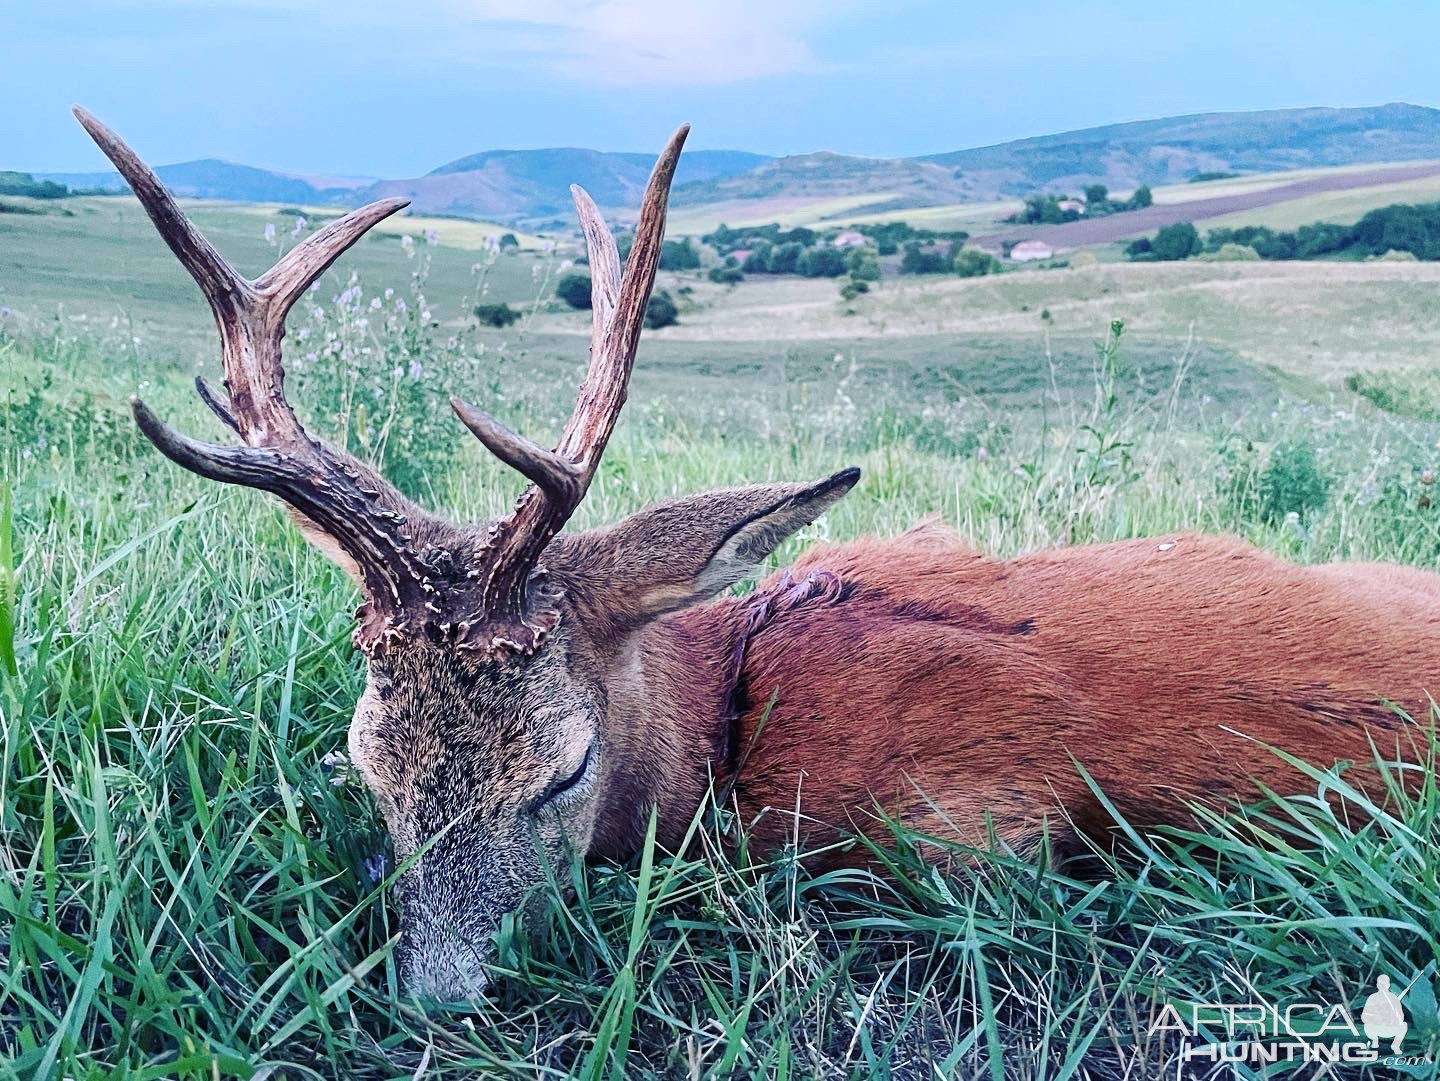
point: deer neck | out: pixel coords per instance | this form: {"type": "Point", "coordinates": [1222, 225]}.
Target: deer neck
{"type": "Point", "coordinates": [669, 727]}
{"type": "Point", "coordinates": [678, 706]}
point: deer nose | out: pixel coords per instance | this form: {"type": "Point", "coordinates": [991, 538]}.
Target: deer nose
{"type": "Point", "coordinates": [439, 966]}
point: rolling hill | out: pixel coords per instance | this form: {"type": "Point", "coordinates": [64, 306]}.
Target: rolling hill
{"type": "Point", "coordinates": [513, 184]}
{"type": "Point", "coordinates": [211, 178]}
{"type": "Point", "coordinates": [1172, 149]}
{"type": "Point", "coordinates": [533, 185]}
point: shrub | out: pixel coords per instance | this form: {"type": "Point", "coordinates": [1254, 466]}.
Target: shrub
{"type": "Point", "coordinates": [758, 261]}
{"type": "Point", "coordinates": [679, 255]}
{"type": "Point", "coordinates": [1414, 395]}
{"type": "Point", "coordinates": [921, 260]}
{"type": "Point", "coordinates": [496, 315]}
{"type": "Point", "coordinates": [1292, 482]}
{"type": "Point", "coordinates": [726, 275]}
{"type": "Point", "coordinates": [784, 258]}
{"type": "Point", "coordinates": [509, 242]}
{"type": "Point", "coordinates": [574, 289]}
{"type": "Point", "coordinates": [661, 311]}
{"type": "Point", "coordinates": [863, 265]}
{"type": "Point", "coordinates": [1415, 229]}
{"type": "Point", "coordinates": [826, 262]}
{"type": "Point", "coordinates": [853, 288]}
{"type": "Point", "coordinates": [974, 263]}
{"type": "Point", "coordinates": [1140, 199]}
{"type": "Point", "coordinates": [1178, 241]}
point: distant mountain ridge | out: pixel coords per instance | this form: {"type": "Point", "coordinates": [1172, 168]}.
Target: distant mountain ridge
{"type": "Point", "coordinates": [533, 185]}
{"type": "Point", "coordinates": [512, 184]}
{"type": "Point", "coordinates": [1172, 149]}
{"type": "Point", "coordinates": [211, 178]}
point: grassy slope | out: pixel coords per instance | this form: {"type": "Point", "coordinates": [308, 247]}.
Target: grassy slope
{"type": "Point", "coordinates": [1311, 321]}
{"type": "Point", "coordinates": [986, 216]}
{"type": "Point", "coordinates": [183, 887]}
{"type": "Point", "coordinates": [104, 266]}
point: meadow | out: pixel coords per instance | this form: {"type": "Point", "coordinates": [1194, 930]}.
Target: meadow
{"type": "Point", "coordinates": [192, 885]}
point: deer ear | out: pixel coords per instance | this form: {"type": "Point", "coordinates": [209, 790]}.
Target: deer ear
{"type": "Point", "coordinates": [677, 554]}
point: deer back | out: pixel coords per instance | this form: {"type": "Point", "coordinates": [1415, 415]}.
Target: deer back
{"type": "Point", "coordinates": [957, 692]}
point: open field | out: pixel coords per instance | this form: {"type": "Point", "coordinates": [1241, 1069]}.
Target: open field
{"type": "Point", "coordinates": [1313, 321]}
{"type": "Point", "coordinates": [789, 211]}
{"type": "Point", "coordinates": [186, 890]}
{"type": "Point", "coordinates": [102, 266]}
{"type": "Point", "coordinates": [1341, 207]}
{"type": "Point", "coordinates": [1281, 200]}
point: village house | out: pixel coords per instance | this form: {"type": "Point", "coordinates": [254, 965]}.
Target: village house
{"type": "Point", "coordinates": [1029, 250]}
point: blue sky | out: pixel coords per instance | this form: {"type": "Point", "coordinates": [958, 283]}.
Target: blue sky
{"type": "Point", "coordinates": [394, 89]}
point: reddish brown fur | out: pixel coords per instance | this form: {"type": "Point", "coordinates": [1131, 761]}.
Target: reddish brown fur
{"type": "Point", "coordinates": [973, 681]}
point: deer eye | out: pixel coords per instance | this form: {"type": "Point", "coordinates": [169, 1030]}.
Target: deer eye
{"type": "Point", "coordinates": [561, 788]}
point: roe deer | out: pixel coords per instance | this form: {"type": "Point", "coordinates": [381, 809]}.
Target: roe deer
{"type": "Point", "coordinates": [532, 693]}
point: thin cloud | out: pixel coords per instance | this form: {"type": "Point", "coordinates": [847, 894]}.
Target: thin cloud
{"type": "Point", "coordinates": [650, 42]}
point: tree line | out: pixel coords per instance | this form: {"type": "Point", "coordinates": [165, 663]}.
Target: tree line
{"type": "Point", "coordinates": [1400, 227]}
{"type": "Point", "coordinates": [1046, 209]}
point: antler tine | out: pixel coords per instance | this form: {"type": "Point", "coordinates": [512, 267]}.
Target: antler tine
{"type": "Point", "coordinates": [604, 261]}
{"type": "Point", "coordinates": [505, 622]}
{"type": "Point", "coordinates": [612, 353]}
{"type": "Point", "coordinates": [222, 285]}
{"type": "Point", "coordinates": [284, 283]}
{"type": "Point", "coordinates": [215, 405]}
{"type": "Point", "coordinates": [557, 478]}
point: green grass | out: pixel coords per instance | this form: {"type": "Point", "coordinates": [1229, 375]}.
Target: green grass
{"type": "Point", "coordinates": [96, 264]}
{"type": "Point", "coordinates": [1313, 321]}
{"type": "Point", "coordinates": [183, 885]}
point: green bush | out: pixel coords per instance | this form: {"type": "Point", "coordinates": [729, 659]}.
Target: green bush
{"type": "Point", "coordinates": [1292, 483]}
{"type": "Point", "coordinates": [852, 288]}
{"type": "Point", "coordinates": [1174, 242]}
{"type": "Point", "coordinates": [785, 258]}
{"type": "Point", "coordinates": [863, 265]}
{"type": "Point", "coordinates": [826, 262]}
{"type": "Point", "coordinates": [496, 315]}
{"type": "Point", "coordinates": [726, 275]}
{"type": "Point", "coordinates": [921, 260]}
{"type": "Point", "coordinates": [574, 289]}
{"type": "Point", "coordinates": [1286, 481]}
{"type": "Point", "coordinates": [974, 263]}
{"type": "Point", "coordinates": [679, 255]}
{"type": "Point", "coordinates": [661, 311]}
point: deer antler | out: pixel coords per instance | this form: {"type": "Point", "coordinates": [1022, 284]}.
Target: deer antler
{"type": "Point", "coordinates": [332, 493]}
{"type": "Point", "coordinates": [506, 616]}
{"type": "Point", "coordinates": [420, 574]}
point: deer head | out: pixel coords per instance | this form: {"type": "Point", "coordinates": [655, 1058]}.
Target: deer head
{"type": "Point", "coordinates": [489, 731]}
